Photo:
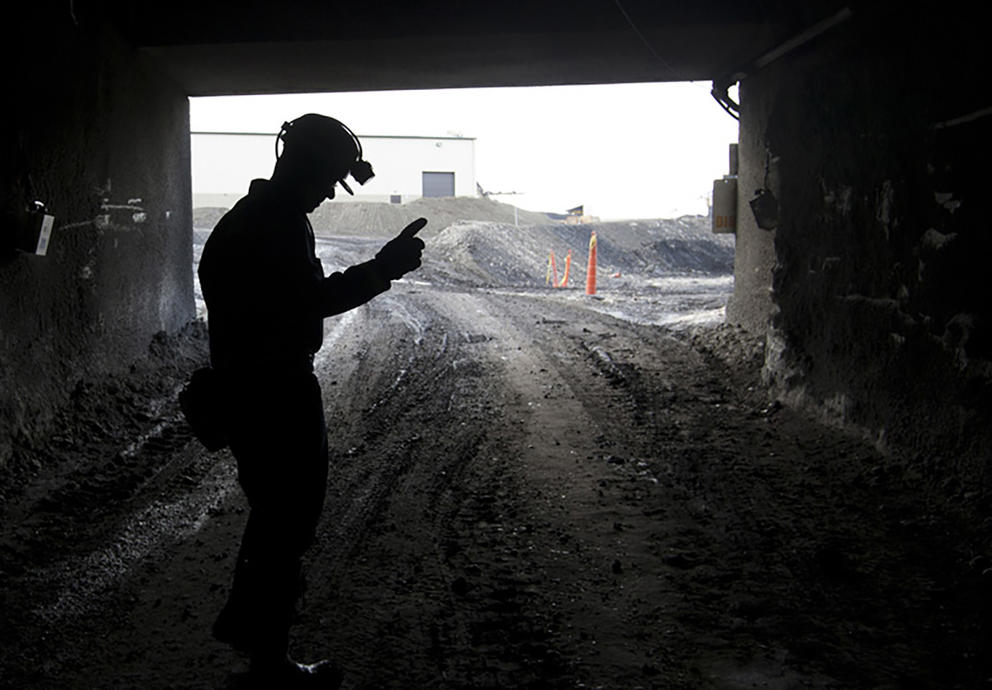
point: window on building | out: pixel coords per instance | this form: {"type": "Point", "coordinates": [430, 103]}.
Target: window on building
{"type": "Point", "coordinates": [437, 184]}
{"type": "Point", "coordinates": [395, 199]}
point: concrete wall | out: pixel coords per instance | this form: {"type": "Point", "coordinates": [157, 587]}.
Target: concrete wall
{"type": "Point", "coordinates": [94, 121]}
{"type": "Point", "coordinates": [751, 304]}
{"type": "Point", "coordinates": [879, 317]}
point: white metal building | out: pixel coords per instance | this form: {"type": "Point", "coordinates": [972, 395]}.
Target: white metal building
{"type": "Point", "coordinates": [406, 167]}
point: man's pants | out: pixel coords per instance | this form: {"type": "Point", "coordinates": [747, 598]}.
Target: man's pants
{"type": "Point", "coordinates": [278, 435]}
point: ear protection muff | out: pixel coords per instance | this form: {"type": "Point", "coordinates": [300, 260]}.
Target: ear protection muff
{"type": "Point", "coordinates": [360, 169]}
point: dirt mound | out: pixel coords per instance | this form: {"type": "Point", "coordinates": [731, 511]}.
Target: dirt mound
{"type": "Point", "coordinates": [501, 255]}
{"type": "Point", "coordinates": [206, 217]}
{"type": "Point", "coordinates": [665, 246]}
{"type": "Point", "coordinates": [385, 220]}
{"type": "Point", "coordinates": [377, 219]}
{"type": "Point", "coordinates": [487, 255]}
{"type": "Point", "coordinates": [474, 241]}
{"type": "Point", "coordinates": [103, 414]}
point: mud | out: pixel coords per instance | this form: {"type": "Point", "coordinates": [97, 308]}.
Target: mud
{"type": "Point", "coordinates": [530, 488]}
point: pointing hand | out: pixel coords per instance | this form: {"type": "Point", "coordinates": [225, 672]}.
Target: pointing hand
{"type": "Point", "coordinates": [402, 253]}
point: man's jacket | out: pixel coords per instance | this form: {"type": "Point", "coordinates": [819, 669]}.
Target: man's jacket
{"type": "Point", "coordinates": [265, 289]}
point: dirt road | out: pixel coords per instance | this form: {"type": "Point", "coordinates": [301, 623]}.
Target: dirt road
{"type": "Point", "coordinates": [524, 493]}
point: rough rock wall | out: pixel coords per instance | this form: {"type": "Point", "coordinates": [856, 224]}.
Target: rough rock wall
{"type": "Point", "coordinates": [880, 316]}
{"type": "Point", "coordinates": [96, 127]}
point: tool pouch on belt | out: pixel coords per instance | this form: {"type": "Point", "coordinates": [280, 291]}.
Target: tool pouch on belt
{"type": "Point", "coordinates": [201, 402]}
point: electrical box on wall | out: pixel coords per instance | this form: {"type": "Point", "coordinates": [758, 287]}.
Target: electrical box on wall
{"type": "Point", "coordinates": [26, 230]}
{"type": "Point", "coordinates": [37, 233]}
{"type": "Point", "coordinates": [725, 197]}
{"type": "Point", "coordinates": [725, 204]}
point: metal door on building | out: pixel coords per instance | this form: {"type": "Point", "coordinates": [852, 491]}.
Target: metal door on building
{"type": "Point", "coordinates": [439, 184]}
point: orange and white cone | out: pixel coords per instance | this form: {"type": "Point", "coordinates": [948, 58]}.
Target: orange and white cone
{"type": "Point", "coordinates": [568, 265]}
{"type": "Point", "coordinates": [552, 275]}
{"type": "Point", "coordinates": [591, 268]}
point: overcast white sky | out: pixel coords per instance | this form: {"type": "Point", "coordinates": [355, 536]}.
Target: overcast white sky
{"type": "Point", "coordinates": [621, 150]}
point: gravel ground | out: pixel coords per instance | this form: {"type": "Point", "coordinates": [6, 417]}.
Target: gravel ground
{"type": "Point", "coordinates": [530, 488]}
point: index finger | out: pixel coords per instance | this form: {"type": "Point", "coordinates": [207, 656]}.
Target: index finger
{"type": "Point", "coordinates": [413, 228]}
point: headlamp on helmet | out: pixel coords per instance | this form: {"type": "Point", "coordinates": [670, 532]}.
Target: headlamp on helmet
{"type": "Point", "coordinates": [326, 136]}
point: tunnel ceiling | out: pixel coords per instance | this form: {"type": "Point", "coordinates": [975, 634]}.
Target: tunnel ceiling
{"type": "Point", "coordinates": [217, 48]}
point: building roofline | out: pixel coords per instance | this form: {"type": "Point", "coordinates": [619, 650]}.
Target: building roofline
{"type": "Point", "coordinates": [360, 136]}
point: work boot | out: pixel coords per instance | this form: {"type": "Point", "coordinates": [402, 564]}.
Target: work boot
{"type": "Point", "coordinates": [290, 675]}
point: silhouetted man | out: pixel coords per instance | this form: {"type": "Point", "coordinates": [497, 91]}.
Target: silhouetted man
{"type": "Point", "coordinates": [266, 297]}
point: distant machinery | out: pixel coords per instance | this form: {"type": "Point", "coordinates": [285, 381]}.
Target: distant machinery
{"type": "Point", "coordinates": [577, 216]}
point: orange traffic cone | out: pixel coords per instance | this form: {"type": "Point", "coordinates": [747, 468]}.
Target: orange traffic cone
{"type": "Point", "coordinates": [591, 268]}
{"type": "Point", "coordinates": [568, 265]}
{"type": "Point", "coordinates": [552, 275]}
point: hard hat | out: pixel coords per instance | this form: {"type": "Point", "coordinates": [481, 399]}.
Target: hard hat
{"type": "Point", "coordinates": [325, 140]}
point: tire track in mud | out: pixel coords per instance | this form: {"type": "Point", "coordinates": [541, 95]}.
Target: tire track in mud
{"type": "Point", "coordinates": [449, 564]}
{"type": "Point", "coordinates": [404, 395]}
{"type": "Point", "coordinates": [574, 405]}
{"type": "Point", "coordinates": [521, 495]}
{"type": "Point", "coordinates": [364, 414]}
{"type": "Point", "coordinates": [169, 485]}
{"type": "Point", "coordinates": [157, 491]}
{"type": "Point", "coordinates": [387, 360]}
{"type": "Point", "coordinates": [781, 555]}
{"type": "Point", "coordinates": [144, 508]}
{"type": "Point", "coordinates": [655, 404]}
{"type": "Point", "coordinates": [496, 633]}
{"type": "Point", "coordinates": [509, 544]}
{"type": "Point", "coordinates": [572, 577]}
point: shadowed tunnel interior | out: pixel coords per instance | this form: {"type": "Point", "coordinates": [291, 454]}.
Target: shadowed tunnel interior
{"type": "Point", "coordinates": [865, 121]}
